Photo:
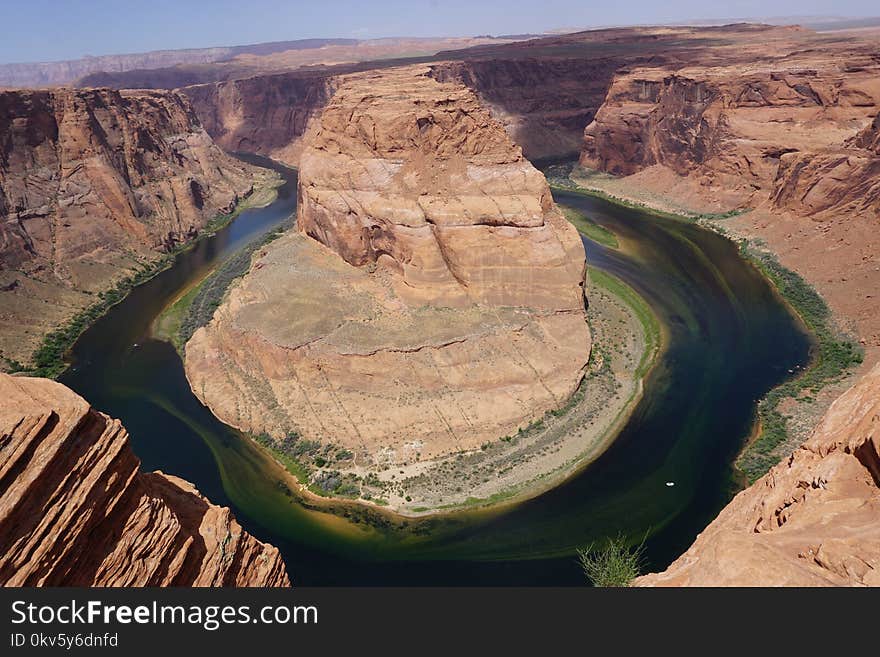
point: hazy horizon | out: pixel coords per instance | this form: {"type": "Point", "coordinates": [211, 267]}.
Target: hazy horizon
{"type": "Point", "coordinates": [116, 28]}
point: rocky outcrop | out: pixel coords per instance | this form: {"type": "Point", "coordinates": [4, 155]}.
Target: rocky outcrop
{"type": "Point", "coordinates": [869, 138]}
{"type": "Point", "coordinates": [93, 183]}
{"type": "Point", "coordinates": [840, 181]}
{"type": "Point", "coordinates": [75, 510]}
{"type": "Point", "coordinates": [433, 299]}
{"type": "Point", "coordinates": [729, 126]}
{"type": "Point", "coordinates": [418, 176]}
{"type": "Point", "coordinates": [813, 520]}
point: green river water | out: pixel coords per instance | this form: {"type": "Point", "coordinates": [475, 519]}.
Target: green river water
{"type": "Point", "coordinates": [730, 340]}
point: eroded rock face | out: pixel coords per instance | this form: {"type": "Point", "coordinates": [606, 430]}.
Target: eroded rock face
{"type": "Point", "coordinates": [433, 299]}
{"type": "Point", "coordinates": [75, 510]}
{"type": "Point", "coordinates": [92, 184]}
{"type": "Point", "coordinates": [265, 114]}
{"type": "Point", "coordinates": [788, 130]}
{"type": "Point", "coordinates": [730, 126]}
{"type": "Point", "coordinates": [813, 520]}
{"type": "Point", "coordinates": [422, 178]}
{"type": "Point", "coordinates": [544, 102]}
{"type": "Point", "coordinates": [838, 181]}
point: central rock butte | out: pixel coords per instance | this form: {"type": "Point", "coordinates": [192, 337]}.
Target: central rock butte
{"type": "Point", "coordinates": [431, 300]}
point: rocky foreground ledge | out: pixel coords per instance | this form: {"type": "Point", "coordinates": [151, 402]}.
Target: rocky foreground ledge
{"type": "Point", "coordinates": [96, 188]}
{"type": "Point", "coordinates": [75, 510]}
{"type": "Point", "coordinates": [813, 520]}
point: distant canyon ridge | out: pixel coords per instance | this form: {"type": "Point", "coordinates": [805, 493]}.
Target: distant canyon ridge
{"type": "Point", "coordinates": [229, 61]}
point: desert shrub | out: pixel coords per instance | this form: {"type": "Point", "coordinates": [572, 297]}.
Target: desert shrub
{"type": "Point", "coordinates": [212, 290]}
{"type": "Point", "coordinates": [833, 357]}
{"type": "Point", "coordinates": [612, 563]}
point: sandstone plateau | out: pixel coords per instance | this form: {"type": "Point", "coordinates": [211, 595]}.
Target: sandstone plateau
{"type": "Point", "coordinates": [813, 520]}
{"type": "Point", "coordinates": [94, 184]}
{"type": "Point", "coordinates": [432, 298]}
{"type": "Point", "coordinates": [133, 70]}
{"type": "Point", "coordinates": [242, 62]}
{"type": "Point", "coordinates": [75, 510]}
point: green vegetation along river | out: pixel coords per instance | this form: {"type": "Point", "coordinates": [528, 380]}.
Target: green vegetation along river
{"type": "Point", "coordinates": [730, 339]}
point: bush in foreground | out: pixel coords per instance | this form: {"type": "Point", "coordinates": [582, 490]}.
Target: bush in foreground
{"type": "Point", "coordinates": [612, 564]}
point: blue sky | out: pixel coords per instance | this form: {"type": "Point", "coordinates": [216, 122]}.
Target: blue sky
{"type": "Point", "coordinates": [44, 30]}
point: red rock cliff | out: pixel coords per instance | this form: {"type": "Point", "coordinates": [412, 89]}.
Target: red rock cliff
{"type": "Point", "coordinates": [787, 129]}
{"type": "Point", "coordinates": [93, 183]}
{"type": "Point", "coordinates": [842, 180]}
{"type": "Point", "coordinates": [749, 125]}
{"type": "Point", "coordinates": [75, 510]}
{"type": "Point", "coordinates": [265, 114]}
{"type": "Point", "coordinates": [813, 520]}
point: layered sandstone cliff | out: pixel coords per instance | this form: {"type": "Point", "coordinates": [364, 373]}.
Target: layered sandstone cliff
{"type": "Point", "coordinates": [94, 184]}
{"type": "Point", "coordinates": [431, 300]}
{"type": "Point", "coordinates": [813, 520]}
{"type": "Point", "coordinates": [787, 130]}
{"type": "Point", "coordinates": [731, 126]}
{"type": "Point", "coordinates": [265, 114]}
{"type": "Point", "coordinates": [75, 510]}
{"type": "Point", "coordinates": [838, 181]}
